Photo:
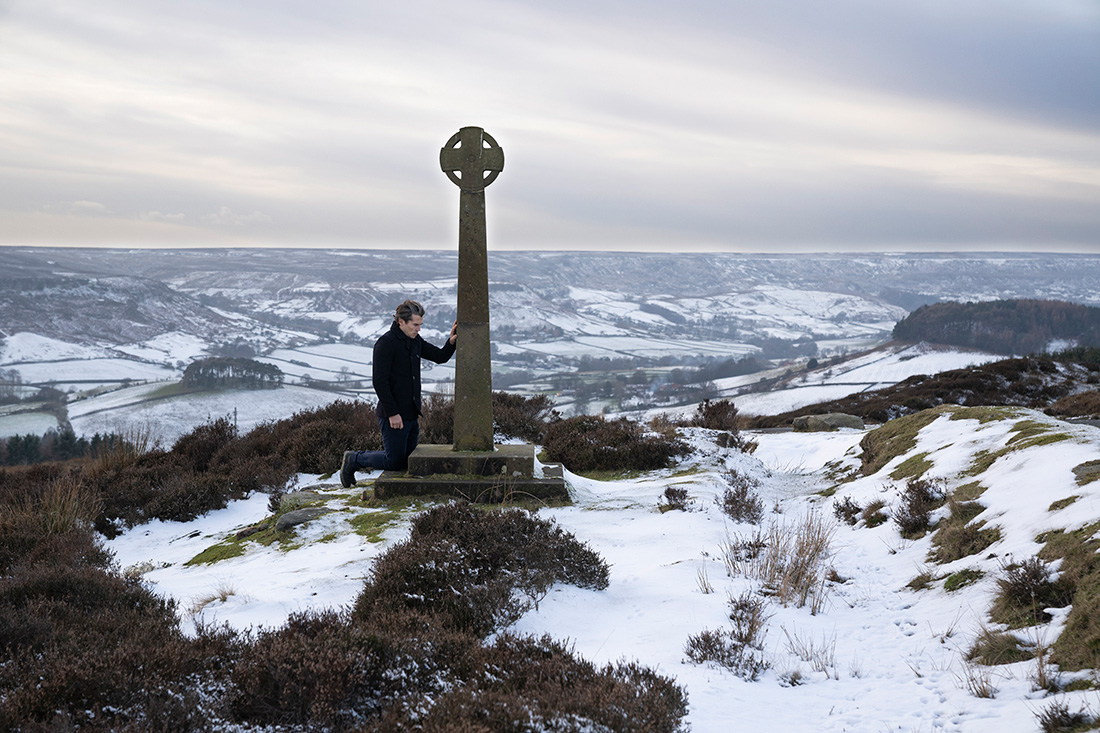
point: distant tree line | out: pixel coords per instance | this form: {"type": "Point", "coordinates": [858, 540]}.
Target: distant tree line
{"type": "Point", "coordinates": [232, 372]}
{"type": "Point", "coordinates": [659, 310]}
{"type": "Point", "coordinates": [54, 445]}
{"type": "Point", "coordinates": [1011, 327]}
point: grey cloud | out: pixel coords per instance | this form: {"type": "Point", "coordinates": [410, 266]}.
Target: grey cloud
{"type": "Point", "coordinates": [227, 217]}
{"type": "Point", "coordinates": [159, 216]}
{"type": "Point", "coordinates": [693, 123]}
{"type": "Point", "coordinates": [78, 208]}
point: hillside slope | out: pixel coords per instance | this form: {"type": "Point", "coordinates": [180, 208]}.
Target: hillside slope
{"type": "Point", "coordinates": [876, 654]}
{"type": "Point", "coordinates": [1062, 384]}
{"type": "Point", "coordinates": [1009, 327]}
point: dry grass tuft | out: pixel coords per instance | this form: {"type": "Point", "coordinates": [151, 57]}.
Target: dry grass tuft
{"type": "Point", "coordinates": [793, 561]}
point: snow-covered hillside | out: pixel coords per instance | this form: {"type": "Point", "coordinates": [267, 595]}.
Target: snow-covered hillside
{"type": "Point", "coordinates": [77, 325]}
{"type": "Point", "coordinates": [874, 369]}
{"type": "Point", "coordinates": [876, 656]}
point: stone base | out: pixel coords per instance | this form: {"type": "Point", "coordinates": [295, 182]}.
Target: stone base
{"type": "Point", "coordinates": [505, 474]}
{"type": "Point", "coordinates": [514, 461]}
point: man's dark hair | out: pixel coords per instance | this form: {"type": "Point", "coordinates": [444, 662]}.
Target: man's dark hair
{"type": "Point", "coordinates": [407, 310]}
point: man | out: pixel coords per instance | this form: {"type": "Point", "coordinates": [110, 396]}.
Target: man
{"type": "Point", "coordinates": [395, 376]}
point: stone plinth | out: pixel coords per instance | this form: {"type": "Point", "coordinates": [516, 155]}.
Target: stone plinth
{"type": "Point", "coordinates": [515, 461]}
{"type": "Point", "coordinates": [506, 473]}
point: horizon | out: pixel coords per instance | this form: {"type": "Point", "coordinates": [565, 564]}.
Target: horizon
{"type": "Point", "coordinates": [589, 251]}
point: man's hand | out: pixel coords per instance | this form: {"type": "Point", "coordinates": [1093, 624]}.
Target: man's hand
{"type": "Point", "coordinates": [454, 332]}
{"type": "Point", "coordinates": [396, 422]}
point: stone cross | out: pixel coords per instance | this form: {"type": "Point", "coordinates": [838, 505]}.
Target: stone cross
{"type": "Point", "coordinates": [472, 159]}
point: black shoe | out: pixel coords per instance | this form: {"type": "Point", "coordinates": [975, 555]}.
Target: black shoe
{"type": "Point", "coordinates": [347, 470]}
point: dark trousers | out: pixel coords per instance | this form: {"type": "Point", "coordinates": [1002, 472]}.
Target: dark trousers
{"type": "Point", "coordinates": [397, 445]}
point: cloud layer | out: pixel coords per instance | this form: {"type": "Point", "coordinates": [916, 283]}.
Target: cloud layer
{"type": "Point", "coordinates": [703, 124]}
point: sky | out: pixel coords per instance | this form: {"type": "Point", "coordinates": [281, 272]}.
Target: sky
{"type": "Point", "coordinates": [630, 125]}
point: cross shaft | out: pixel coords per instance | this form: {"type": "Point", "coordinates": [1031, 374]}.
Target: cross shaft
{"type": "Point", "coordinates": [472, 166]}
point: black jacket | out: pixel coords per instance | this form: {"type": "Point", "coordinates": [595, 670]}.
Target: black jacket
{"type": "Point", "coordinates": [395, 372]}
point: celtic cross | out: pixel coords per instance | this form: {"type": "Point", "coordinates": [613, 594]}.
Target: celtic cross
{"type": "Point", "coordinates": [472, 160]}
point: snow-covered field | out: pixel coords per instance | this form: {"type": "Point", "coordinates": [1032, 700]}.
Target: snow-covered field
{"type": "Point", "coordinates": [126, 407]}
{"type": "Point", "coordinates": [124, 411]}
{"type": "Point", "coordinates": [632, 346]}
{"type": "Point", "coordinates": [888, 658]}
{"type": "Point", "coordinates": [40, 359]}
{"type": "Point", "coordinates": [82, 372]}
{"type": "Point", "coordinates": [27, 423]}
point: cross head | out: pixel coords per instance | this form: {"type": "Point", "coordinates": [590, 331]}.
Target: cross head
{"type": "Point", "coordinates": [472, 159]}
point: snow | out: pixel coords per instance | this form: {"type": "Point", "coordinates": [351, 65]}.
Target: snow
{"type": "Point", "coordinates": [103, 399]}
{"type": "Point", "coordinates": [20, 347]}
{"type": "Point", "coordinates": [173, 346]}
{"type": "Point", "coordinates": [784, 400]}
{"type": "Point", "coordinates": [168, 419]}
{"type": "Point", "coordinates": [84, 371]}
{"type": "Point", "coordinates": [891, 659]}
{"type": "Point", "coordinates": [876, 369]}
{"type": "Point", "coordinates": [895, 363]}
{"type": "Point", "coordinates": [27, 423]}
{"type": "Point", "coordinates": [630, 346]}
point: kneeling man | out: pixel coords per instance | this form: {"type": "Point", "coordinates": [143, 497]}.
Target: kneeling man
{"type": "Point", "coordinates": [396, 378]}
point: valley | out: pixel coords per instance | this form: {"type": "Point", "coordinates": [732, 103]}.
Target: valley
{"type": "Point", "coordinates": [599, 332]}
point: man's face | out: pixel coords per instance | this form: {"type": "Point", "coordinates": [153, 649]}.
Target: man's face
{"type": "Point", "coordinates": [411, 327]}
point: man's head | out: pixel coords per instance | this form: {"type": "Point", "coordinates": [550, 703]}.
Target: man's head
{"type": "Point", "coordinates": [409, 317]}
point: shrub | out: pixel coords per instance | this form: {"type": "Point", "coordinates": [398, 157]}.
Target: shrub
{"type": "Point", "coordinates": [722, 415]}
{"type": "Point", "coordinates": [527, 683]}
{"type": "Point", "coordinates": [748, 619]}
{"type": "Point", "coordinates": [101, 649]}
{"type": "Point", "coordinates": [1025, 591]}
{"type": "Point", "coordinates": [591, 443]}
{"type": "Point", "coordinates": [716, 415]}
{"type": "Point", "coordinates": [662, 424]}
{"type": "Point", "coordinates": [919, 499]}
{"type": "Point", "coordinates": [313, 441]}
{"type": "Point", "coordinates": [725, 650]}
{"type": "Point", "coordinates": [196, 450]}
{"type": "Point", "coordinates": [211, 465]}
{"type": "Point", "coordinates": [88, 648]}
{"type": "Point", "coordinates": [477, 570]}
{"type": "Point", "coordinates": [846, 510]}
{"type": "Point", "coordinates": [1082, 404]}
{"type": "Point", "coordinates": [516, 416]}
{"type": "Point", "coordinates": [437, 424]}
{"type": "Point", "coordinates": [319, 669]}
{"type": "Point", "coordinates": [675, 498]}
{"type": "Point", "coordinates": [1056, 718]}
{"type": "Point", "coordinates": [739, 501]}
